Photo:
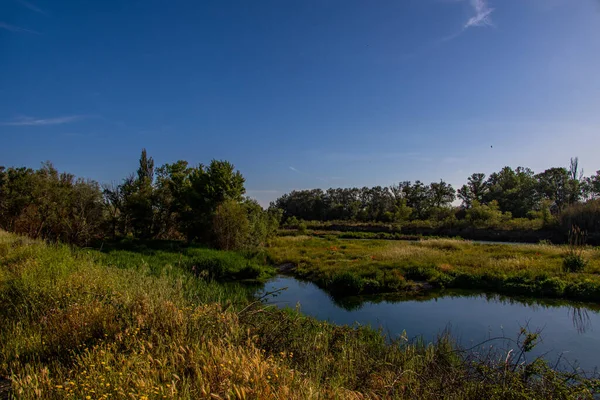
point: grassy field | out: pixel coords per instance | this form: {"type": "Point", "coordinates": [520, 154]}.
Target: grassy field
{"type": "Point", "coordinates": [80, 324]}
{"type": "Point", "coordinates": [347, 266]}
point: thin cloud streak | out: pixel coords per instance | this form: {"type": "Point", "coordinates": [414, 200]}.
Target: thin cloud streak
{"type": "Point", "coordinates": [32, 7]}
{"type": "Point", "coordinates": [12, 28]}
{"type": "Point", "coordinates": [29, 121]}
{"type": "Point", "coordinates": [295, 170]}
{"type": "Point", "coordinates": [482, 18]}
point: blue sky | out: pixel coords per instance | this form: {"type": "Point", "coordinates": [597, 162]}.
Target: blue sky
{"type": "Point", "coordinates": [301, 93]}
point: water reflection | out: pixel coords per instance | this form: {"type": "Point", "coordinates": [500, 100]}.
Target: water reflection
{"type": "Point", "coordinates": [566, 327]}
{"type": "Point", "coordinates": [577, 312]}
{"type": "Point", "coordinates": [581, 318]}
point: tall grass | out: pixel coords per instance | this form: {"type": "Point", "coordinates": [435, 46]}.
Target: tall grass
{"type": "Point", "coordinates": [79, 324]}
{"type": "Point", "coordinates": [368, 266]}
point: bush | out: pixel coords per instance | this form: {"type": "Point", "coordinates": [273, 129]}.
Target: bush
{"type": "Point", "coordinates": [346, 283]}
{"type": "Point", "coordinates": [231, 226]}
{"type": "Point", "coordinates": [243, 226]}
{"type": "Point", "coordinates": [484, 215]}
{"type": "Point", "coordinates": [586, 216]}
{"type": "Point", "coordinates": [574, 263]}
{"type": "Point", "coordinates": [302, 227]}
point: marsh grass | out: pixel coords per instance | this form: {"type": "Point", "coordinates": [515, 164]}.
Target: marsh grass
{"type": "Point", "coordinates": [367, 266]}
{"type": "Point", "coordinates": [79, 324]}
{"type": "Point", "coordinates": [574, 260]}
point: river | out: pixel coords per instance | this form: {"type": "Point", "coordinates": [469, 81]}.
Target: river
{"type": "Point", "coordinates": [570, 331]}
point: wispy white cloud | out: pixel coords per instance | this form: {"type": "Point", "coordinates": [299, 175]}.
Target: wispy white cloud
{"type": "Point", "coordinates": [482, 18]}
{"type": "Point", "coordinates": [294, 169]}
{"type": "Point", "coordinates": [482, 14]}
{"type": "Point", "coordinates": [13, 28]}
{"type": "Point", "coordinates": [31, 6]}
{"type": "Point", "coordinates": [30, 121]}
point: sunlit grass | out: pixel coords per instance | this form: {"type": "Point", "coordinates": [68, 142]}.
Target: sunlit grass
{"type": "Point", "coordinates": [524, 269]}
{"type": "Point", "coordinates": [78, 324]}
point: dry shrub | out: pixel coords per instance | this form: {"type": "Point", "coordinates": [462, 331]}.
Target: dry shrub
{"type": "Point", "coordinates": [65, 329]}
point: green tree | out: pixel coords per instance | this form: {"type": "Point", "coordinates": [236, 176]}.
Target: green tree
{"type": "Point", "coordinates": [417, 197]}
{"type": "Point", "coordinates": [514, 190]}
{"type": "Point", "coordinates": [441, 194]}
{"type": "Point", "coordinates": [475, 190]}
{"type": "Point", "coordinates": [554, 184]}
{"type": "Point", "coordinates": [141, 201]}
{"type": "Point", "coordinates": [486, 215]}
{"type": "Point", "coordinates": [50, 205]}
{"type": "Point", "coordinates": [171, 188]}
{"type": "Point", "coordinates": [209, 187]}
{"type": "Point", "coordinates": [591, 187]}
{"type": "Point", "coordinates": [231, 226]}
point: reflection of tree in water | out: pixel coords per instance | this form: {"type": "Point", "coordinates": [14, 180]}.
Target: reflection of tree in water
{"type": "Point", "coordinates": [581, 318]}
{"type": "Point", "coordinates": [579, 313]}
{"type": "Point", "coordinates": [348, 303]}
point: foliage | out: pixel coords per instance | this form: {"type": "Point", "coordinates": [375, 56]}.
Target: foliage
{"type": "Point", "coordinates": [239, 226]}
{"type": "Point", "coordinates": [486, 215]}
{"type": "Point", "coordinates": [48, 204]}
{"type": "Point", "coordinates": [179, 201]}
{"type": "Point", "coordinates": [590, 186]}
{"type": "Point", "coordinates": [231, 227]}
{"type": "Point", "coordinates": [209, 187]}
{"type": "Point", "coordinates": [476, 189]}
{"type": "Point", "coordinates": [586, 216]}
{"type": "Point", "coordinates": [395, 203]}
{"type": "Point", "coordinates": [75, 327]}
{"type": "Point", "coordinates": [519, 193]}
{"type": "Point", "coordinates": [350, 266]}
{"type": "Point", "coordinates": [574, 260]}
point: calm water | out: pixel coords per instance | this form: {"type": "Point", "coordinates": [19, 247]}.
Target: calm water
{"type": "Point", "coordinates": [570, 329]}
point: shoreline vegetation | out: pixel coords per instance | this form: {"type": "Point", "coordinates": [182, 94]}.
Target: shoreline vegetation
{"type": "Point", "coordinates": [140, 323]}
{"type": "Point", "coordinates": [206, 204]}
{"type": "Point", "coordinates": [369, 266]}
{"type": "Point", "coordinates": [135, 291]}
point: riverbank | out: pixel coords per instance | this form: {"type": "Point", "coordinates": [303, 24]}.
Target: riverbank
{"type": "Point", "coordinates": [517, 231]}
{"type": "Point", "coordinates": [569, 328]}
{"type": "Point", "coordinates": [350, 267]}
{"type": "Point", "coordinates": [77, 327]}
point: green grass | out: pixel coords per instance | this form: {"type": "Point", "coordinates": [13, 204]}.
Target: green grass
{"type": "Point", "coordinates": [155, 256]}
{"type": "Point", "coordinates": [379, 266]}
{"type": "Point", "coordinates": [80, 324]}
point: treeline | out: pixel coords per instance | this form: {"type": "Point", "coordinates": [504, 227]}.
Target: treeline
{"type": "Point", "coordinates": [504, 195]}
{"type": "Point", "coordinates": [206, 203]}
{"type": "Point", "coordinates": [203, 203]}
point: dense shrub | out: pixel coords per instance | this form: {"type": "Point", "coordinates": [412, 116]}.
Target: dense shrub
{"type": "Point", "coordinates": [574, 263]}
{"type": "Point", "coordinates": [584, 215]}
{"type": "Point", "coordinates": [51, 205]}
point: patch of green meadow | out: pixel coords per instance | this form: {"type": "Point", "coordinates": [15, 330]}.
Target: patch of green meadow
{"type": "Point", "coordinates": [346, 266]}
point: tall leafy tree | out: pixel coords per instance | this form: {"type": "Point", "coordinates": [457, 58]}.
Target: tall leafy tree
{"type": "Point", "coordinates": [47, 204]}
{"type": "Point", "coordinates": [140, 199]}
{"type": "Point", "coordinates": [209, 187]}
{"type": "Point", "coordinates": [171, 189]}
{"type": "Point", "coordinates": [591, 186]}
{"type": "Point", "coordinates": [514, 190]}
{"type": "Point", "coordinates": [554, 184]}
{"type": "Point", "coordinates": [476, 189]}
{"type": "Point", "coordinates": [417, 197]}
{"type": "Point", "coordinates": [441, 194]}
